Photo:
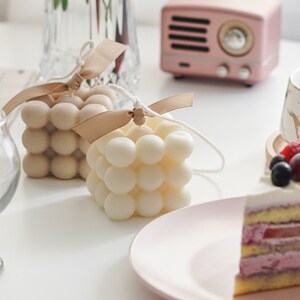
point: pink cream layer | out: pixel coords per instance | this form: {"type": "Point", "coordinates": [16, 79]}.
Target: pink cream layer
{"type": "Point", "coordinates": [270, 263]}
{"type": "Point", "coordinates": [270, 233]}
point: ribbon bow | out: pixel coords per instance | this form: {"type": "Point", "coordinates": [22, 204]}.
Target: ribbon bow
{"type": "Point", "coordinates": [94, 64]}
{"type": "Point", "coordinates": [99, 125]}
{"type": "Point", "coordinates": [138, 116]}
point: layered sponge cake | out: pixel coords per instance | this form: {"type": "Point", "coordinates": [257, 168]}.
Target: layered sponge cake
{"type": "Point", "coordinates": [270, 250]}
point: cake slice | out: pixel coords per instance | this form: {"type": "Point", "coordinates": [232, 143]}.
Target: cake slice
{"type": "Point", "coordinates": [270, 246]}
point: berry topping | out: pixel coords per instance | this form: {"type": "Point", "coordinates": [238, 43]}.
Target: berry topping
{"type": "Point", "coordinates": [282, 232]}
{"type": "Point", "coordinates": [278, 158]}
{"type": "Point", "coordinates": [295, 165]}
{"type": "Point", "coordinates": [291, 149]}
{"type": "Point", "coordinates": [281, 174]}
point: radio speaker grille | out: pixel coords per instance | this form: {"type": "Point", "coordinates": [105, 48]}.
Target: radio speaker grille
{"type": "Point", "coordinates": [188, 33]}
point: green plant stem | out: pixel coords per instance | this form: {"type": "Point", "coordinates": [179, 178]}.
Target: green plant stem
{"type": "Point", "coordinates": [107, 10]}
{"type": "Point", "coordinates": [56, 3]}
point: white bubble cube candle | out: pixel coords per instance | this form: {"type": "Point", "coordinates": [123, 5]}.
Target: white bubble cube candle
{"type": "Point", "coordinates": [141, 170]}
{"type": "Point", "coordinates": [52, 147]}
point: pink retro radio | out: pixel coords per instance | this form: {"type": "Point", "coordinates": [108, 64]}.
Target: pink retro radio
{"type": "Point", "coordinates": [236, 39]}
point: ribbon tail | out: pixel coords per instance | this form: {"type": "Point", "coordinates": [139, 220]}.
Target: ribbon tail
{"type": "Point", "coordinates": [172, 103]}
{"type": "Point", "coordinates": [35, 92]}
{"type": "Point", "coordinates": [99, 125]}
{"type": "Point", "coordinates": [101, 57]}
{"type": "Point", "coordinates": [48, 99]}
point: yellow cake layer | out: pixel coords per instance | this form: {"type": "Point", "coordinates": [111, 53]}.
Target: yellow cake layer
{"type": "Point", "coordinates": [253, 250]}
{"type": "Point", "coordinates": [274, 215]}
{"type": "Point", "coordinates": [260, 283]}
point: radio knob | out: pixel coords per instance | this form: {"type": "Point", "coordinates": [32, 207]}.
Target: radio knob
{"type": "Point", "coordinates": [235, 39]}
{"type": "Point", "coordinates": [222, 71]}
{"type": "Point", "coordinates": [244, 73]}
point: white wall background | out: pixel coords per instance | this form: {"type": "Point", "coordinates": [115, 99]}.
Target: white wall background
{"type": "Point", "coordinates": [147, 12]}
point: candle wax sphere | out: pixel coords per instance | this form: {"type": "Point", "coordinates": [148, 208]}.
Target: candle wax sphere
{"type": "Point", "coordinates": [77, 101]}
{"type": "Point", "coordinates": [36, 165]}
{"type": "Point", "coordinates": [149, 204]}
{"type": "Point", "coordinates": [119, 207]}
{"type": "Point", "coordinates": [135, 191]}
{"type": "Point", "coordinates": [166, 162]}
{"type": "Point", "coordinates": [92, 156]}
{"type": "Point", "coordinates": [127, 126]}
{"type": "Point", "coordinates": [150, 149]}
{"type": "Point", "coordinates": [78, 154]}
{"type": "Point", "coordinates": [50, 128]}
{"type": "Point", "coordinates": [83, 145]}
{"type": "Point", "coordinates": [165, 128]}
{"type": "Point", "coordinates": [82, 92]}
{"type": "Point", "coordinates": [135, 132]}
{"type": "Point", "coordinates": [100, 99]}
{"type": "Point", "coordinates": [64, 142]}
{"type": "Point", "coordinates": [91, 182]}
{"type": "Point", "coordinates": [135, 165]}
{"type": "Point", "coordinates": [179, 145]}
{"type": "Point", "coordinates": [35, 114]}
{"type": "Point", "coordinates": [153, 122]}
{"type": "Point", "coordinates": [120, 180]}
{"type": "Point", "coordinates": [120, 152]}
{"type": "Point", "coordinates": [175, 199]}
{"type": "Point", "coordinates": [102, 90]}
{"type": "Point", "coordinates": [64, 167]}
{"type": "Point", "coordinates": [84, 168]}
{"type": "Point", "coordinates": [179, 174]}
{"type": "Point", "coordinates": [64, 115]}
{"type": "Point", "coordinates": [50, 153]}
{"type": "Point", "coordinates": [101, 143]}
{"type": "Point", "coordinates": [91, 110]}
{"type": "Point", "coordinates": [150, 177]}
{"type": "Point", "coordinates": [35, 140]}
{"type": "Point", "coordinates": [101, 192]}
{"type": "Point", "coordinates": [165, 188]}
{"type": "Point", "coordinates": [101, 166]}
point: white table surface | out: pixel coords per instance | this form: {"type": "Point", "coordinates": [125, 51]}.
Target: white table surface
{"type": "Point", "coordinates": [57, 243]}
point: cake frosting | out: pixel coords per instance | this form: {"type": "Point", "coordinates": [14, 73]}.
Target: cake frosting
{"type": "Point", "coordinates": [276, 262]}
{"type": "Point", "coordinates": [266, 195]}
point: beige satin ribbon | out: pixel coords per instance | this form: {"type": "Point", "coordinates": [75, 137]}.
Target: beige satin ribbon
{"type": "Point", "coordinates": [95, 63]}
{"type": "Point", "coordinates": [99, 125]}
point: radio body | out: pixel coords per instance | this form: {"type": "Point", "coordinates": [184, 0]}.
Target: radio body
{"type": "Point", "coordinates": [235, 40]}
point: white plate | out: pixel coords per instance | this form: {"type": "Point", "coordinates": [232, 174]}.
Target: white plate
{"type": "Point", "coordinates": [192, 253]}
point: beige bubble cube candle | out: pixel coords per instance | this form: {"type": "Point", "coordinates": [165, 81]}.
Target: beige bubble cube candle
{"type": "Point", "coordinates": [52, 109]}
{"type": "Point", "coordinates": [141, 170]}
{"type": "Point", "coordinates": [52, 147]}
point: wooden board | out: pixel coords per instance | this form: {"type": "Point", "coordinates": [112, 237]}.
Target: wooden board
{"type": "Point", "coordinates": [275, 143]}
{"type": "Point", "coordinates": [13, 81]}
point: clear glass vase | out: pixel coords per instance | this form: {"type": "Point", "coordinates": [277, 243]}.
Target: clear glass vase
{"type": "Point", "coordinates": [9, 167]}
{"type": "Point", "coordinates": [70, 23]}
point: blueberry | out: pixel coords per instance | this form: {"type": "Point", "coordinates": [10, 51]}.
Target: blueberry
{"type": "Point", "coordinates": [278, 158]}
{"type": "Point", "coordinates": [281, 174]}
